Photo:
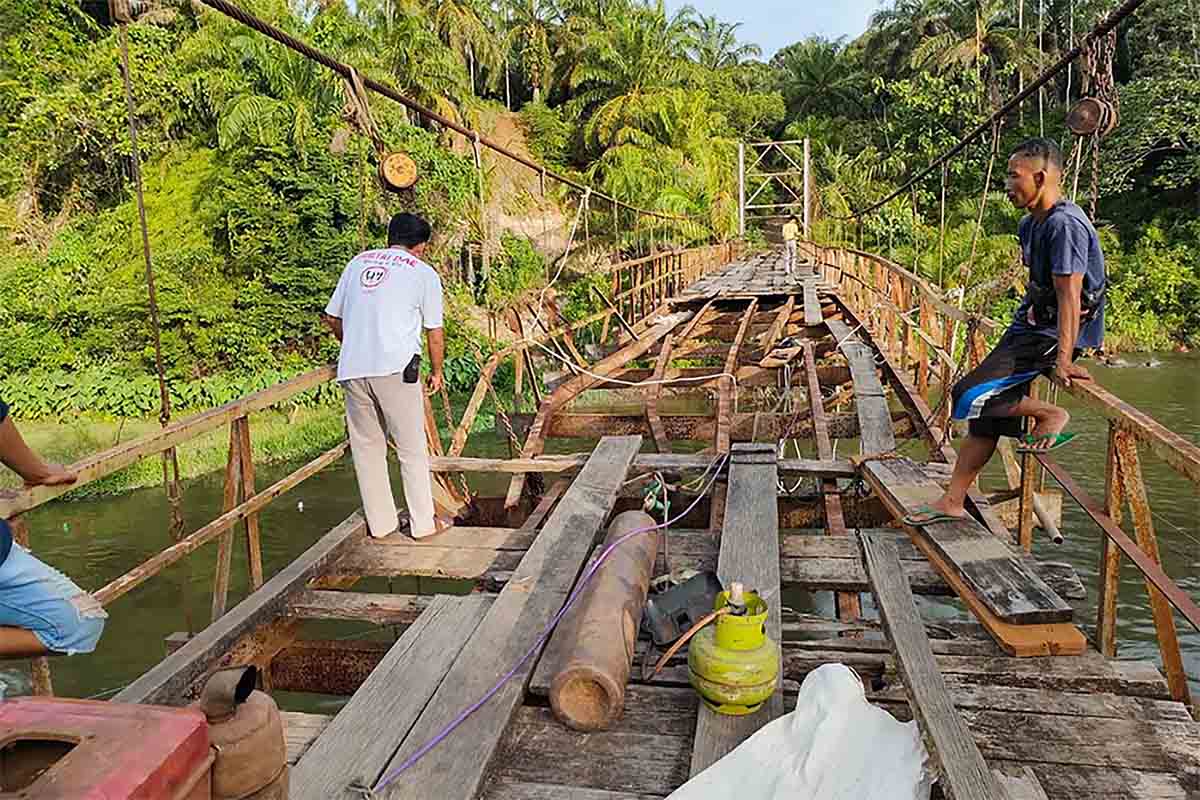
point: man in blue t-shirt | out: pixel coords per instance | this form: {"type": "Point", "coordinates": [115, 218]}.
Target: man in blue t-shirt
{"type": "Point", "coordinates": [42, 611]}
{"type": "Point", "coordinates": [1061, 316]}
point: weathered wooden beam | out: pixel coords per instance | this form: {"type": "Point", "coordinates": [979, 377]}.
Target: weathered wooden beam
{"type": "Point", "coordinates": [874, 419]}
{"type": "Point", "coordinates": [725, 393]}
{"type": "Point", "coordinates": [750, 555]}
{"type": "Point", "coordinates": [777, 327]}
{"type": "Point", "coordinates": [699, 426]}
{"type": "Point", "coordinates": [812, 306]}
{"type": "Point", "coordinates": [964, 775]}
{"type": "Point", "coordinates": [169, 681]}
{"type": "Point", "coordinates": [361, 739]}
{"type": "Point", "coordinates": [378, 609]}
{"type": "Point", "coordinates": [535, 441]}
{"type": "Point", "coordinates": [848, 606]}
{"type": "Point", "coordinates": [324, 666]}
{"type": "Point", "coordinates": [117, 458]}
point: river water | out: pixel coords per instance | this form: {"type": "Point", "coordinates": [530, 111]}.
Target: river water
{"type": "Point", "coordinates": [94, 541]}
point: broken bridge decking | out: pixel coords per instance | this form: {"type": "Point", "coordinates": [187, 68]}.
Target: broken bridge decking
{"type": "Point", "coordinates": [1058, 726]}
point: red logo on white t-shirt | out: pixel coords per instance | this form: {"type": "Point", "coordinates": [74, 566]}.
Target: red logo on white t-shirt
{"type": "Point", "coordinates": [373, 276]}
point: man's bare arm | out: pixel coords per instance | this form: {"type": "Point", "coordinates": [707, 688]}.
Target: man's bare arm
{"type": "Point", "coordinates": [1068, 289]}
{"type": "Point", "coordinates": [334, 324]}
{"type": "Point", "coordinates": [436, 339]}
{"type": "Point", "coordinates": [18, 457]}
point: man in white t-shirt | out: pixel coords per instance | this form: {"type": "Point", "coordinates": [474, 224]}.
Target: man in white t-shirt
{"type": "Point", "coordinates": [382, 301]}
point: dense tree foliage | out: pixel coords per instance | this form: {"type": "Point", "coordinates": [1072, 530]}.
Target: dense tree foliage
{"type": "Point", "coordinates": [258, 188]}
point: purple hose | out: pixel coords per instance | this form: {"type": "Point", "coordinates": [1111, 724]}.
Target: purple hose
{"type": "Point", "coordinates": [587, 576]}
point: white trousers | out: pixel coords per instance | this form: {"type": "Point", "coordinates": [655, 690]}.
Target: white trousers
{"type": "Point", "coordinates": [376, 407]}
{"type": "Point", "coordinates": [790, 245]}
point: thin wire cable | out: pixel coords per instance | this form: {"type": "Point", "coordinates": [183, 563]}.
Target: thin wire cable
{"type": "Point", "coordinates": [390, 777]}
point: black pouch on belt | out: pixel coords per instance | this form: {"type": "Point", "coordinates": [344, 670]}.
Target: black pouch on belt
{"type": "Point", "coordinates": [413, 371]}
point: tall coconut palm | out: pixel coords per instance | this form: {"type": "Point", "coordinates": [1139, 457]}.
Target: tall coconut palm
{"type": "Point", "coordinates": [531, 27]}
{"type": "Point", "coordinates": [467, 28]}
{"type": "Point", "coordinates": [716, 45]}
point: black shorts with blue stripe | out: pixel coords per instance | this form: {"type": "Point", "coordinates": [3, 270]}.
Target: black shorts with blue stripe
{"type": "Point", "coordinates": [987, 396]}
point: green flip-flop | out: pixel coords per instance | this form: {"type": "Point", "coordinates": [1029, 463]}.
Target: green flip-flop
{"type": "Point", "coordinates": [1059, 439]}
{"type": "Point", "coordinates": [927, 515]}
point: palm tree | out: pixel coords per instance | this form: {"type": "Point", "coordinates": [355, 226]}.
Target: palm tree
{"type": "Point", "coordinates": [467, 28]}
{"type": "Point", "coordinates": [817, 76]}
{"type": "Point", "coordinates": [531, 32]}
{"type": "Point", "coordinates": [897, 30]}
{"type": "Point", "coordinates": [976, 34]}
{"type": "Point", "coordinates": [716, 44]}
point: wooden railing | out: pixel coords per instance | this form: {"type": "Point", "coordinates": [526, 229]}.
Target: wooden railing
{"type": "Point", "coordinates": [931, 339]}
{"type": "Point", "coordinates": [644, 285]}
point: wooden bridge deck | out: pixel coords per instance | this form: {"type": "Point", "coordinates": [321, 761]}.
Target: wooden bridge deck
{"type": "Point", "coordinates": [1061, 722]}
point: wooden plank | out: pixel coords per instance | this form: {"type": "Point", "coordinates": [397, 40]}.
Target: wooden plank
{"type": "Point", "coordinates": [408, 559]}
{"type": "Point", "coordinates": [749, 554]}
{"type": "Point", "coordinates": [848, 605]}
{"type": "Point", "coordinates": [117, 458]}
{"type": "Point", "coordinates": [812, 306]}
{"type": "Point", "coordinates": [535, 440]}
{"type": "Point", "coordinates": [300, 730]}
{"type": "Point", "coordinates": [984, 564]}
{"type": "Point", "coordinates": [542, 510]}
{"type": "Point", "coordinates": [653, 393]}
{"type": "Point", "coordinates": [230, 498]}
{"type": "Point", "coordinates": [364, 735]}
{"type": "Point", "coordinates": [1067, 782]}
{"type": "Point", "coordinates": [964, 775]}
{"type": "Point", "coordinates": [192, 542]}
{"type": "Point", "coordinates": [697, 427]}
{"type": "Point", "coordinates": [169, 682]}
{"type": "Point", "coordinates": [525, 790]}
{"type": "Point", "coordinates": [379, 609]}
{"type": "Point", "coordinates": [777, 327]}
{"type": "Point", "coordinates": [727, 388]}
{"type": "Point", "coordinates": [1019, 783]}
{"type": "Point", "coordinates": [874, 418]}
{"type": "Point", "coordinates": [513, 627]}
{"type": "Point", "coordinates": [254, 563]}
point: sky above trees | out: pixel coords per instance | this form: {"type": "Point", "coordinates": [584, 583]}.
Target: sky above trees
{"type": "Point", "coordinates": [773, 24]}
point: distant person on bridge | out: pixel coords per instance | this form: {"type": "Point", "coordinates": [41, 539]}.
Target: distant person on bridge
{"type": "Point", "coordinates": [791, 233]}
{"type": "Point", "coordinates": [42, 611]}
{"type": "Point", "coordinates": [1061, 316]}
{"type": "Point", "coordinates": [382, 301]}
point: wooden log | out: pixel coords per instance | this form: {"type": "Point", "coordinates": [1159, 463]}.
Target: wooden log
{"type": "Point", "coordinates": [360, 740]}
{"type": "Point", "coordinates": [254, 563]}
{"type": "Point", "coordinates": [169, 682]}
{"type": "Point", "coordinates": [777, 327]}
{"type": "Point", "coordinates": [1109, 577]}
{"type": "Point", "coordinates": [964, 775]}
{"type": "Point", "coordinates": [156, 564]}
{"type": "Point", "coordinates": [590, 654]}
{"type": "Point", "coordinates": [513, 627]}
{"type": "Point", "coordinates": [749, 554]}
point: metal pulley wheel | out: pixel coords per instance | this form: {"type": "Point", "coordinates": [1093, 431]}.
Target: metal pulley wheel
{"type": "Point", "coordinates": [397, 171]}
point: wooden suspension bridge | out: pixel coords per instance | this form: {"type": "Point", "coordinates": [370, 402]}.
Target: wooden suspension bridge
{"type": "Point", "coordinates": [1021, 699]}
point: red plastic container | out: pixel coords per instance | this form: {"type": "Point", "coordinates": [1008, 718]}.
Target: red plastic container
{"type": "Point", "coordinates": [59, 749]}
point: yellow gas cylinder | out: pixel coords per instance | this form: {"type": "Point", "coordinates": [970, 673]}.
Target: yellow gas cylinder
{"type": "Point", "coordinates": [732, 663]}
{"type": "Point", "coordinates": [246, 731]}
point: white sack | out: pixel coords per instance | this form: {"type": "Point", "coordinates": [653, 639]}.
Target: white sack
{"type": "Point", "coordinates": [834, 746]}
